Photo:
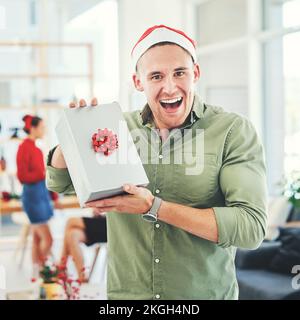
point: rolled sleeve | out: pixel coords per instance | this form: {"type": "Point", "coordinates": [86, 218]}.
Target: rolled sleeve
{"type": "Point", "coordinates": [58, 180]}
{"type": "Point", "coordinates": [242, 222]}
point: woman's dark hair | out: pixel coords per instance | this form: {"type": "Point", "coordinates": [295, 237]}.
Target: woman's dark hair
{"type": "Point", "coordinates": [31, 121]}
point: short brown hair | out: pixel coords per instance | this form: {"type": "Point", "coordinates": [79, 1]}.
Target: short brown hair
{"type": "Point", "coordinates": [164, 43]}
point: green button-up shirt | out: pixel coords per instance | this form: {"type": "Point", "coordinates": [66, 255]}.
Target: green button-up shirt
{"type": "Point", "coordinates": [161, 261]}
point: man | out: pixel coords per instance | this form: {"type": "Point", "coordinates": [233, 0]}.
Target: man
{"type": "Point", "coordinates": [188, 253]}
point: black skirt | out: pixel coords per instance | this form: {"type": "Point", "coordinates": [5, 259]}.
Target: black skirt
{"type": "Point", "coordinates": [95, 229]}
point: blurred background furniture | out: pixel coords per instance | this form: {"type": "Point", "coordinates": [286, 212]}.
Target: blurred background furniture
{"type": "Point", "coordinates": [21, 218]}
{"type": "Point", "coordinates": [102, 268]}
{"type": "Point", "coordinates": [66, 202]}
{"type": "Point", "coordinates": [256, 281]}
{"type": "Point", "coordinates": [256, 269]}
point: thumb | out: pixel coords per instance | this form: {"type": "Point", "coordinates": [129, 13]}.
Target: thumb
{"type": "Point", "coordinates": [132, 189]}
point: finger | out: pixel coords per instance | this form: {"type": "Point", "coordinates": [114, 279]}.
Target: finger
{"type": "Point", "coordinates": [132, 189]}
{"type": "Point", "coordinates": [82, 103]}
{"type": "Point", "coordinates": [94, 102]}
{"type": "Point", "coordinates": [103, 210]}
{"type": "Point", "coordinates": [72, 104]}
{"type": "Point", "coordinates": [109, 202]}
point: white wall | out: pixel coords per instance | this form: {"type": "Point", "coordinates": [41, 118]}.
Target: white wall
{"type": "Point", "coordinates": [223, 79]}
{"type": "Point", "coordinates": [221, 20]}
{"type": "Point", "coordinates": [224, 71]}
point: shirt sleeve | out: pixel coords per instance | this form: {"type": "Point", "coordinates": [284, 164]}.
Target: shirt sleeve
{"type": "Point", "coordinates": [25, 163]}
{"type": "Point", "coordinates": [58, 180]}
{"type": "Point", "coordinates": [242, 222]}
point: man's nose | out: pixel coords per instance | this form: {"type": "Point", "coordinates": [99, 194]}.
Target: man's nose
{"type": "Point", "coordinates": [169, 85]}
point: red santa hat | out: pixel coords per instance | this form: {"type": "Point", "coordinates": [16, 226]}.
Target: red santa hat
{"type": "Point", "coordinates": [162, 33]}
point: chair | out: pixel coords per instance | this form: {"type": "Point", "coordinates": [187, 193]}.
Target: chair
{"type": "Point", "coordinates": [21, 219]}
{"type": "Point", "coordinates": [103, 262]}
{"type": "Point", "coordinates": [256, 279]}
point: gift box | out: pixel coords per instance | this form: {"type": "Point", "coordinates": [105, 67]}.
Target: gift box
{"type": "Point", "coordinates": [99, 151]}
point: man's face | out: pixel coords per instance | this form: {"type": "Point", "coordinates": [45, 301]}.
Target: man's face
{"type": "Point", "coordinates": [167, 75]}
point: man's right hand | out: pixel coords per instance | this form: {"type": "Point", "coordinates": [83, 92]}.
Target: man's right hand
{"type": "Point", "coordinates": [82, 103]}
{"type": "Point", "coordinates": [58, 160]}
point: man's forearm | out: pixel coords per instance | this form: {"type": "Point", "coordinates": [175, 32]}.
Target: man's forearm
{"type": "Point", "coordinates": [58, 160]}
{"type": "Point", "coordinates": [199, 222]}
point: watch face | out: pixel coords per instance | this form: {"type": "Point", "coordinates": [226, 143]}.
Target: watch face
{"type": "Point", "coordinates": [149, 217]}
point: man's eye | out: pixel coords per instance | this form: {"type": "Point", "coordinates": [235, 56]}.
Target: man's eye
{"type": "Point", "coordinates": [156, 77]}
{"type": "Point", "coordinates": [179, 73]}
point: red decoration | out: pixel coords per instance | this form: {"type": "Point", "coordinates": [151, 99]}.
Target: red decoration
{"type": "Point", "coordinates": [57, 273]}
{"type": "Point", "coordinates": [28, 120]}
{"type": "Point", "coordinates": [7, 196]}
{"type": "Point", "coordinates": [105, 141]}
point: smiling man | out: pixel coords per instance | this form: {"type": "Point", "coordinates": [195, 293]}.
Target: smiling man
{"type": "Point", "coordinates": [177, 238]}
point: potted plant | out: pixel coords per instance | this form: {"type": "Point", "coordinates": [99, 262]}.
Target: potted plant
{"type": "Point", "coordinates": [50, 289]}
{"type": "Point", "coordinates": [70, 285]}
{"type": "Point", "coordinates": [57, 284]}
{"type": "Point", "coordinates": [292, 191]}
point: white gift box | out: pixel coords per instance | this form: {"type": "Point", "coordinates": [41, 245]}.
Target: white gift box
{"type": "Point", "coordinates": [94, 174]}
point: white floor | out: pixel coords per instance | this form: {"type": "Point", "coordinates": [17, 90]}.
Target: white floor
{"type": "Point", "coordinates": [16, 277]}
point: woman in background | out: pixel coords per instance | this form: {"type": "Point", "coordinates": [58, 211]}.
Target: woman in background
{"type": "Point", "coordinates": [87, 230]}
{"type": "Point", "coordinates": [36, 199]}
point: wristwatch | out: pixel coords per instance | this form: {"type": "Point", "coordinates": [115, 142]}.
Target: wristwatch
{"type": "Point", "coordinates": [151, 215]}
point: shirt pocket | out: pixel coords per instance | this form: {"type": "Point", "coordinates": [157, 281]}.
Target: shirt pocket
{"type": "Point", "coordinates": [196, 180]}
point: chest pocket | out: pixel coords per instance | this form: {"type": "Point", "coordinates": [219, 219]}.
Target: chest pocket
{"type": "Point", "coordinates": [196, 180]}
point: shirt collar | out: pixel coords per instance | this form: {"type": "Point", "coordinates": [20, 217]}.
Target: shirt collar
{"type": "Point", "coordinates": [146, 117]}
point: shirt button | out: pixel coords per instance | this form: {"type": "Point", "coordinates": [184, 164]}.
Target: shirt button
{"type": "Point", "coordinates": [157, 225]}
{"type": "Point", "coordinates": [156, 260]}
{"type": "Point", "coordinates": [160, 156]}
{"type": "Point", "coordinates": [157, 191]}
{"type": "Point", "coordinates": [157, 296]}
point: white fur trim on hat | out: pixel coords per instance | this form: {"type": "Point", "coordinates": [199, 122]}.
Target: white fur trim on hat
{"type": "Point", "coordinates": [159, 34]}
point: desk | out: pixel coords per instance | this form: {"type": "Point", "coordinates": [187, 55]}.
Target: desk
{"type": "Point", "coordinates": [87, 292]}
{"type": "Point", "coordinates": [292, 224]}
{"type": "Point", "coordinates": [67, 202]}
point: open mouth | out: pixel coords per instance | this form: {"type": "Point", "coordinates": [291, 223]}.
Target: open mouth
{"type": "Point", "coordinates": [171, 104]}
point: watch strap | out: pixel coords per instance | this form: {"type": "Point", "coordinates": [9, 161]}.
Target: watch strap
{"type": "Point", "coordinates": [151, 215]}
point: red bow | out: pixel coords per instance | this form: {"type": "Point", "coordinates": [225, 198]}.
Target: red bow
{"type": "Point", "coordinates": [105, 141]}
{"type": "Point", "coordinates": [28, 121]}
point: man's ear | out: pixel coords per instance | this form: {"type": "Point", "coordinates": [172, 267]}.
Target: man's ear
{"type": "Point", "coordinates": [196, 72]}
{"type": "Point", "coordinates": [137, 82]}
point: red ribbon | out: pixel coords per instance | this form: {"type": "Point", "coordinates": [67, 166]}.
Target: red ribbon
{"type": "Point", "coordinates": [28, 121]}
{"type": "Point", "coordinates": [105, 141]}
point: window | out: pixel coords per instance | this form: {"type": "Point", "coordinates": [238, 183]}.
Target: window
{"type": "Point", "coordinates": [281, 84]}
{"type": "Point", "coordinates": [249, 57]}
{"type": "Point", "coordinates": [291, 76]}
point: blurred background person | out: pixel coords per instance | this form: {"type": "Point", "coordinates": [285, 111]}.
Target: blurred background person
{"type": "Point", "coordinates": [36, 199]}
{"type": "Point", "coordinates": [87, 230]}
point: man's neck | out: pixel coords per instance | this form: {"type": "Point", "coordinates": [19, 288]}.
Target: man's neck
{"type": "Point", "coordinates": [164, 134]}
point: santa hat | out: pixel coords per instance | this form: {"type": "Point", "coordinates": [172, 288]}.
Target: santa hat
{"type": "Point", "coordinates": [162, 33]}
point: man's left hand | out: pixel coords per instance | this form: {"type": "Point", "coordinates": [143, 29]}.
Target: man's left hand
{"type": "Point", "coordinates": [138, 201]}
